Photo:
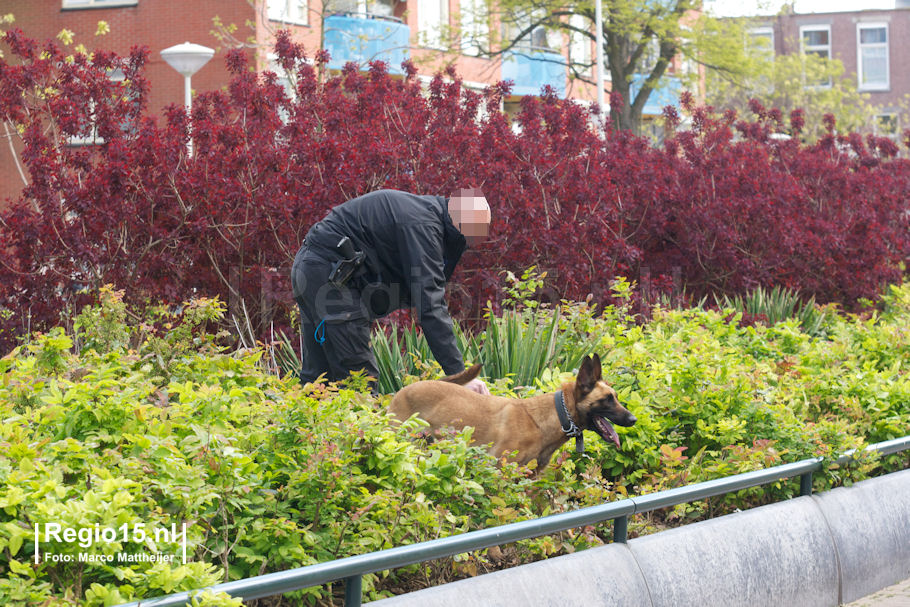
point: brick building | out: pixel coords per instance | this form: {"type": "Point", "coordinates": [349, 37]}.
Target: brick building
{"type": "Point", "coordinates": [871, 44]}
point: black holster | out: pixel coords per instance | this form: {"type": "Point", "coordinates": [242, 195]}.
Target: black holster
{"type": "Point", "coordinates": [351, 260]}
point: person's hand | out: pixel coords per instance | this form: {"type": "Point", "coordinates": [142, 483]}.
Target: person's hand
{"type": "Point", "coordinates": [475, 385]}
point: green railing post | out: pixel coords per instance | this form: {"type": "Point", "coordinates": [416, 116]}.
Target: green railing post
{"type": "Point", "coordinates": [353, 590]}
{"type": "Point", "coordinates": [805, 484]}
{"type": "Point", "coordinates": [621, 529]}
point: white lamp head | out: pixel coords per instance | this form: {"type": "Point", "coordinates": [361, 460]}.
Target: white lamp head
{"type": "Point", "coordinates": [187, 58]}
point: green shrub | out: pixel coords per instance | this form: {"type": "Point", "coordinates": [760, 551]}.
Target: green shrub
{"type": "Point", "coordinates": [164, 428]}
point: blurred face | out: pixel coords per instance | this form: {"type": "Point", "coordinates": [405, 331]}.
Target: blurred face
{"type": "Point", "coordinates": [471, 215]}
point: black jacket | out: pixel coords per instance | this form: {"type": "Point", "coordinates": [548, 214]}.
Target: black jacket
{"type": "Point", "coordinates": [412, 248]}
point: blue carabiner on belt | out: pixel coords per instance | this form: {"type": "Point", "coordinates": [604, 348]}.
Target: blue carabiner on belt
{"type": "Point", "coordinates": [320, 337]}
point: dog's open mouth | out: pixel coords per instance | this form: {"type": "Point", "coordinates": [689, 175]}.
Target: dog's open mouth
{"type": "Point", "coordinates": [605, 430]}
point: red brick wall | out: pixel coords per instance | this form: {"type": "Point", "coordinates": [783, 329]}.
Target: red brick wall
{"type": "Point", "coordinates": [844, 47]}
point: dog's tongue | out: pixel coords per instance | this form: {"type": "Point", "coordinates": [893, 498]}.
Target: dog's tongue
{"type": "Point", "coordinates": [605, 429]}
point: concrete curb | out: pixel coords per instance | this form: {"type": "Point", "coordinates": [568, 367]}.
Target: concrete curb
{"type": "Point", "coordinates": [810, 551]}
{"type": "Point", "coordinates": [870, 523]}
{"type": "Point", "coordinates": [745, 559]}
{"type": "Point", "coordinates": [574, 580]}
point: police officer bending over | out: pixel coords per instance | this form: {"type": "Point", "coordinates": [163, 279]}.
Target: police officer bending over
{"type": "Point", "coordinates": [375, 254]}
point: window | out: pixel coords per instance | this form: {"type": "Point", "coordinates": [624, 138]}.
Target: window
{"type": "Point", "coordinates": [511, 109]}
{"type": "Point", "coordinates": [887, 125]}
{"type": "Point", "coordinates": [381, 8]}
{"type": "Point", "coordinates": [288, 11]}
{"type": "Point", "coordinates": [761, 40]}
{"type": "Point", "coordinates": [580, 50]}
{"type": "Point", "coordinates": [343, 6]}
{"type": "Point", "coordinates": [872, 56]}
{"type": "Point", "coordinates": [432, 22]}
{"type": "Point", "coordinates": [759, 43]}
{"type": "Point", "coordinates": [650, 56]}
{"type": "Point", "coordinates": [815, 40]}
{"type": "Point", "coordinates": [475, 26]}
{"type": "Point", "coordinates": [89, 134]}
{"type": "Point", "coordinates": [365, 8]}
{"type": "Point", "coordinates": [538, 37]}
{"type": "Point", "coordinates": [97, 3]}
{"type": "Point", "coordinates": [287, 79]}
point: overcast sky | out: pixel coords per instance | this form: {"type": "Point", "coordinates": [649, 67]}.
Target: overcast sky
{"type": "Point", "coordinates": [738, 8]}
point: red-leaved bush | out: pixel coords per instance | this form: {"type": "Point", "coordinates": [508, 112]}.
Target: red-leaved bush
{"type": "Point", "coordinates": [722, 206]}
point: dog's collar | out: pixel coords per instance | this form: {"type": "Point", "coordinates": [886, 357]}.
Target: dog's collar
{"type": "Point", "coordinates": [567, 423]}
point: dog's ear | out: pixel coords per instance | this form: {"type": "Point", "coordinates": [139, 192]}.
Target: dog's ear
{"type": "Point", "coordinates": [586, 378]}
{"type": "Point", "coordinates": [598, 368]}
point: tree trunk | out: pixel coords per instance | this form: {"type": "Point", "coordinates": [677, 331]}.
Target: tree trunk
{"type": "Point", "coordinates": [625, 118]}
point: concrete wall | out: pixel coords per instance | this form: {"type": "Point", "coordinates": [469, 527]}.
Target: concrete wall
{"type": "Point", "coordinates": [822, 550]}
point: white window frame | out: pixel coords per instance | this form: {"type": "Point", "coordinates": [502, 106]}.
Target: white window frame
{"type": "Point", "coordinates": [92, 138]}
{"type": "Point", "coordinates": [803, 48]}
{"type": "Point", "coordinates": [765, 31]}
{"type": "Point", "coordinates": [859, 55]}
{"type": "Point", "coordinates": [895, 136]}
{"type": "Point", "coordinates": [580, 47]}
{"type": "Point", "coordinates": [521, 21]}
{"type": "Point", "coordinates": [280, 11]}
{"type": "Point", "coordinates": [432, 22]}
{"type": "Point", "coordinates": [360, 8]}
{"type": "Point", "coordinates": [475, 26]}
{"type": "Point", "coordinates": [287, 80]}
{"type": "Point", "coordinates": [75, 4]}
{"type": "Point", "coordinates": [650, 56]}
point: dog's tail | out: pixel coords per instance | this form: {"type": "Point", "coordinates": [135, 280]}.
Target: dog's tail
{"type": "Point", "coordinates": [463, 377]}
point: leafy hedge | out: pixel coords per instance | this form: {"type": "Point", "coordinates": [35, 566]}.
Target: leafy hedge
{"type": "Point", "coordinates": [150, 424]}
{"type": "Point", "coordinates": [721, 206]}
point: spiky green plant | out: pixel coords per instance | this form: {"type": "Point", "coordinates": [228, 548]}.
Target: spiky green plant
{"type": "Point", "coordinates": [399, 354]}
{"type": "Point", "coordinates": [521, 344]}
{"type": "Point", "coordinates": [777, 305]}
{"type": "Point", "coordinates": [284, 355]}
{"type": "Point", "coordinates": [518, 344]}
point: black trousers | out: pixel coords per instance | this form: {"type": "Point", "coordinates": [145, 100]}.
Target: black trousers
{"type": "Point", "coordinates": [335, 322]}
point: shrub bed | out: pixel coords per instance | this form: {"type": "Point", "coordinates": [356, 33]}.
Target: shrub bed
{"type": "Point", "coordinates": [721, 206]}
{"type": "Point", "coordinates": [150, 423]}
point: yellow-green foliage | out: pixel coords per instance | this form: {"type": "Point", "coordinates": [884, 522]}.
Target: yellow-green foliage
{"type": "Point", "coordinates": [157, 427]}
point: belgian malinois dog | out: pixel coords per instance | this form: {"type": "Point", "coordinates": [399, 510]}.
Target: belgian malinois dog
{"type": "Point", "coordinates": [533, 427]}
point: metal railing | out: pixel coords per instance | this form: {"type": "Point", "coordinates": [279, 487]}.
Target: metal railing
{"type": "Point", "coordinates": [351, 569]}
{"type": "Point", "coordinates": [367, 15]}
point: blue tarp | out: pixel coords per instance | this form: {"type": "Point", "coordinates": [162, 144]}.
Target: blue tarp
{"type": "Point", "coordinates": [364, 39]}
{"type": "Point", "coordinates": [666, 93]}
{"type": "Point", "coordinates": [531, 70]}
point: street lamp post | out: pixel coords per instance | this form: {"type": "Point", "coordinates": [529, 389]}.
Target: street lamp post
{"type": "Point", "coordinates": [187, 59]}
{"type": "Point", "coordinates": [599, 36]}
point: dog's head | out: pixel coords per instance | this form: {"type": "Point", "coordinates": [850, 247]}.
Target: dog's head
{"type": "Point", "coordinates": [596, 403]}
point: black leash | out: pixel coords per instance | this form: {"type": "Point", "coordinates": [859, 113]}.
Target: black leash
{"type": "Point", "coordinates": [567, 423]}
